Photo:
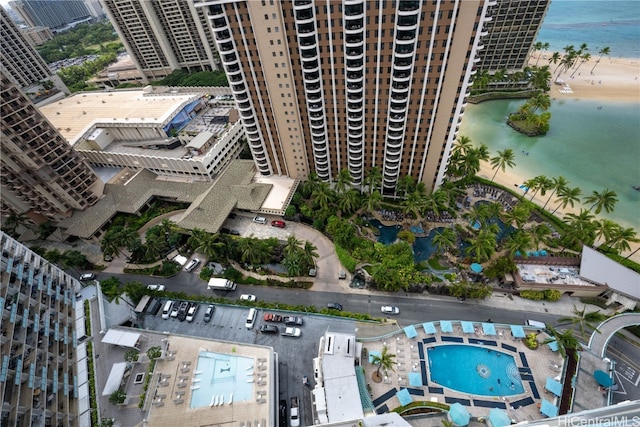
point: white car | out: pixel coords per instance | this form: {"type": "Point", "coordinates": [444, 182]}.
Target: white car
{"type": "Point", "coordinates": [260, 219]}
{"type": "Point", "coordinates": [291, 332]}
{"type": "Point", "coordinates": [87, 276]}
{"type": "Point", "coordinates": [157, 287]}
{"type": "Point", "coordinates": [389, 309]}
{"type": "Point", "coordinates": [248, 297]}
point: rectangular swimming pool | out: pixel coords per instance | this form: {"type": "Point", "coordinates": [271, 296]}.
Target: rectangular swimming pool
{"type": "Point", "coordinates": [221, 378]}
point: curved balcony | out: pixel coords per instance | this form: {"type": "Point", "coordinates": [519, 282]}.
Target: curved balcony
{"type": "Point", "coordinates": [354, 77]}
{"type": "Point", "coordinates": [355, 66]}
{"type": "Point", "coordinates": [401, 76]}
{"type": "Point", "coordinates": [354, 87]}
{"type": "Point", "coordinates": [355, 154]}
{"type": "Point", "coordinates": [354, 133]}
{"type": "Point", "coordinates": [409, 22]}
{"type": "Point", "coordinates": [316, 115]}
{"type": "Point", "coordinates": [223, 35]}
{"type": "Point", "coordinates": [242, 96]}
{"type": "Point", "coordinates": [408, 5]}
{"type": "Point", "coordinates": [355, 107]}
{"type": "Point", "coordinates": [310, 65]}
{"type": "Point", "coordinates": [355, 97]}
{"type": "Point", "coordinates": [355, 125]}
{"type": "Point", "coordinates": [308, 53]}
{"type": "Point", "coordinates": [393, 145]}
{"type": "Point", "coordinates": [392, 168]}
{"type": "Point", "coordinates": [233, 68]}
{"type": "Point", "coordinates": [314, 97]}
{"type": "Point", "coordinates": [400, 87]}
{"type": "Point", "coordinates": [394, 135]}
{"type": "Point", "coordinates": [304, 15]}
{"type": "Point", "coordinates": [316, 125]}
{"type": "Point", "coordinates": [264, 169]}
{"type": "Point", "coordinates": [307, 29]}
{"type": "Point", "coordinates": [398, 109]}
{"type": "Point", "coordinates": [353, 26]}
{"type": "Point", "coordinates": [311, 87]}
{"type": "Point", "coordinates": [355, 54]}
{"type": "Point", "coordinates": [302, 4]}
{"type": "Point", "coordinates": [218, 22]}
{"type": "Point", "coordinates": [239, 87]}
{"type": "Point", "coordinates": [318, 134]}
{"type": "Point", "coordinates": [396, 118]}
{"type": "Point", "coordinates": [315, 107]}
{"type": "Point", "coordinates": [312, 77]}
{"type": "Point", "coordinates": [354, 40]}
{"type": "Point", "coordinates": [248, 121]}
{"type": "Point", "coordinates": [480, 46]}
{"type": "Point", "coordinates": [244, 105]}
{"type": "Point", "coordinates": [307, 41]}
{"type": "Point", "coordinates": [225, 46]}
{"type": "Point", "coordinates": [235, 78]}
{"type": "Point", "coordinates": [405, 35]}
{"type": "Point", "coordinates": [229, 57]}
{"type": "Point", "coordinates": [353, 9]}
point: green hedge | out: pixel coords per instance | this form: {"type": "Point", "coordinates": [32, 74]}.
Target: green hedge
{"type": "Point", "coordinates": [546, 295]}
{"type": "Point", "coordinates": [346, 259]}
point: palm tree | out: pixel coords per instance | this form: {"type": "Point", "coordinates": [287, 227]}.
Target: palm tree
{"type": "Point", "coordinates": [539, 234]}
{"type": "Point", "coordinates": [414, 203]}
{"type": "Point", "coordinates": [519, 215]}
{"type": "Point", "coordinates": [604, 229]}
{"type": "Point", "coordinates": [110, 245]}
{"type": "Point", "coordinates": [463, 145]}
{"type": "Point", "coordinates": [292, 246]}
{"type": "Point", "coordinates": [541, 184]}
{"type": "Point", "coordinates": [502, 160]}
{"type": "Point", "coordinates": [483, 246]}
{"type": "Point", "coordinates": [539, 101]}
{"type": "Point", "coordinates": [309, 254]}
{"type": "Point", "coordinates": [445, 240]}
{"type": "Point", "coordinates": [583, 318]}
{"type": "Point", "coordinates": [519, 241]}
{"type": "Point", "coordinates": [373, 179]}
{"type": "Point", "coordinates": [620, 238]}
{"type": "Point", "coordinates": [16, 220]}
{"type": "Point", "coordinates": [372, 202]}
{"type": "Point", "coordinates": [112, 291]}
{"type": "Point", "coordinates": [210, 245]}
{"type": "Point", "coordinates": [606, 200]}
{"type": "Point", "coordinates": [348, 201]}
{"type": "Point", "coordinates": [344, 180]}
{"type": "Point", "coordinates": [580, 228]}
{"type": "Point", "coordinates": [557, 184]}
{"type": "Point", "coordinates": [555, 59]}
{"type": "Point", "coordinates": [541, 47]}
{"type": "Point", "coordinates": [384, 361]}
{"type": "Point", "coordinates": [604, 51]}
{"type": "Point", "coordinates": [583, 58]}
{"type": "Point", "coordinates": [540, 78]}
{"type": "Point", "coordinates": [323, 195]}
{"type": "Point", "coordinates": [406, 184]}
{"type": "Point", "coordinates": [436, 201]}
{"type": "Point", "coordinates": [311, 184]}
{"type": "Point", "coordinates": [565, 339]}
{"type": "Point", "coordinates": [567, 197]}
{"type": "Point", "coordinates": [250, 250]}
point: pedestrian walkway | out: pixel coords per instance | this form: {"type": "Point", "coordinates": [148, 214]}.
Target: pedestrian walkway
{"type": "Point", "coordinates": [599, 341]}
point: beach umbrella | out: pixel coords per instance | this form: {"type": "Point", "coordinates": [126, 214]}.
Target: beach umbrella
{"type": "Point", "coordinates": [410, 331]}
{"type": "Point", "coordinates": [404, 397]}
{"type": "Point", "coordinates": [499, 418]}
{"type": "Point", "coordinates": [603, 378]}
{"type": "Point", "coordinates": [415, 379]}
{"type": "Point", "coordinates": [458, 415]}
{"type": "Point", "coordinates": [476, 268]}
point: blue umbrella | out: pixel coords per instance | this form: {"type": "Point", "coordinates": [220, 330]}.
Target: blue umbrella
{"type": "Point", "coordinates": [603, 378]}
{"type": "Point", "coordinates": [499, 418]}
{"type": "Point", "coordinates": [404, 397]}
{"type": "Point", "coordinates": [410, 331]}
{"type": "Point", "coordinates": [548, 409]}
{"type": "Point", "coordinates": [415, 379]}
{"type": "Point", "coordinates": [459, 415]}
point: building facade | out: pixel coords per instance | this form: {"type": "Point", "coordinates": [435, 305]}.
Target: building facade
{"type": "Point", "coordinates": [37, 35]}
{"type": "Point", "coordinates": [41, 382]}
{"type": "Point", "coordinates": [325, 86]}
{"type": "Point", "coordinates": [42, 177]}
{"type": "Point", "coordinates": [163, 36]}
{"type": "Point", "coordinates": [511, 33]}
{"type": "Point", "coordinates": [58, 15]}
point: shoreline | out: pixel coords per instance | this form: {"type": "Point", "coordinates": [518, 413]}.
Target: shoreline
{"type": "Point", "coordinates": [614, 79]}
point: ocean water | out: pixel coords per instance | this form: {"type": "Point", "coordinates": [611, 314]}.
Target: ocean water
{"type": "Point", "coordinates": [593, 148]}
{"type": "Point", "coordinates": [598, 23]}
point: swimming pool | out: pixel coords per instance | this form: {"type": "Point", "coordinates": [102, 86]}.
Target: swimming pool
{"type": "Point", "coordinates": [475, 370]}
{"type": "Point", "coordinates": [221, 378]}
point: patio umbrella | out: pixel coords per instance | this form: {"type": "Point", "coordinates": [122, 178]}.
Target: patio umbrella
{"type": "Point", "coordinates": [467, 327]}
{"type": "Point", "coordinates": [404, 397]}
{"type": "Point", "coordinates": [517, 331]}
{"type": "Point", "coordinates": [445, 326]}
{"type": "Point", "coordinates": [548, 409]}
{"type": "Point", "coordinates": [458, 414]}
{"type": "Point", "coordinates": [415, 379]}
{"type": "Point", "coordinates": [488, 328]}
{"type": "Point", "coordinates": [499, 418]}
{"type": "Point", "coordinates": [476, 268]}
{"type": "Point", "coordinates": [553, 386]}
{"type": "Point", "coordinates": [410, 331]}
{"type": "Point", "coordinates": [603, 378]}
{"type": "Point", "coordinates": [429, 328]}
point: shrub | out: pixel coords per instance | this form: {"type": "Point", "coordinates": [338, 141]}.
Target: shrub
{"type": "Point", "coordinates": [154, 352]}
{"type": "Point", "coordinates": [232, 274]}
{"type": "Point", "coordinates": [532, 295]}
{"type": "Point", "coordinates": [117, 397]}
{"type": "Point", "coordinates": [552, 294]}
{"type": "Point", "coordinates": [290, 212]}
{"type": "Point", "coordinates": [131, 356]}
{"type": "Point", "coordinates": [206, 273]}
{"type": "Point", "coordinates": [531, 341]}
{"type": "Point", "coordinates": [346, 259]}
{"type": "Point", "coordinates": [407, 236]}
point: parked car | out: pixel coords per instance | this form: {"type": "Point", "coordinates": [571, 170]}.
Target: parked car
{"type": "Point", "coordinates": [156, 287]}
{"type": "Point", "coordinates": [389, 309]}
{"type": "Point", "coordinates": [175, 309]}
{"type": "Point", "coordinates": [192, 265]}
{"type": "Point", "coordinates": [291, 332]}
{"type": "Point", "coordinates": [259, 219]}
{"type": "Point", "coordinates": [87, 276]}
{"type": "Point", "coordinates": [209, 313]}
{"type": "Point", "coordinates": [342, 275]}
{"type": "Point", "coordinates": [334, 306]}
{"type": "Point", "coordinates": [270, 317]}
{"type": "Point", "coordinates": [293, 321]}
{"type": "Point", "coordinates": [183, 309]}
{"type": "Point", "coordinates": [191, 314]}
{"type": "Point", "coordinates": [278, 223]}
{"type": "Point", "coordinates": [248, 297]}
{"type": "Point", "coordinates": [269, 329]}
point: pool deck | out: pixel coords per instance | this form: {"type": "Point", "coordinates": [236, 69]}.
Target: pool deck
{"type": "Point", "coordinates": [169, 393]}
{"type": "Point", "coordinates": [534, 367]}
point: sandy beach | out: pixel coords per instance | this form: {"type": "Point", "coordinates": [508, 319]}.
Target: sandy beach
{"type": "Point", "coordinates": [614, 79]}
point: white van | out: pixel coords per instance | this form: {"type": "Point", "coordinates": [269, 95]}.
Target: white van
{"type": "Point", "coordinates": [251, 318]}
{"type": "Point", "coordinates": [536, 324]}
{"type": "Point", "coordinates": [166, 310]}
{"type": "Point", "coordinates": [192, 265]}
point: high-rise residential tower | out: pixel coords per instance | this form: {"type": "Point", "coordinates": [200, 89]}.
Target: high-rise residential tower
{"type": "Point", "coordinates": [55, 14]}
{"type": "Point", "coordinates": [162, 36]}
{"type": "Point", "coordinates": [43, 366]}
{"type": "Point", "coordinates": [41, 176]}
{"type": "Point", "coordinates": [354, 84]}
{"type": "Point", "coordinates": [512, 31]}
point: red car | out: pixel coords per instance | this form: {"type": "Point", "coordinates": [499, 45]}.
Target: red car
{"type": "Point", "coordinates": [279, 224]}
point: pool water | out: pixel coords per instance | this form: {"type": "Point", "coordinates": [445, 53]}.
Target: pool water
{"type": "Point", "coordinates": [388, 233]}
{"type": "Point", "coordinates": [221, 377]}
{"type": "Point", "coordinates": [474, 370]}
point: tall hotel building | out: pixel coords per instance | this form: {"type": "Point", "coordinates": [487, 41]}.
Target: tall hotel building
{"type": "Point", "coordinates": [41, 176]}
{"type": "Point", "coordinates": [513, 29]}
{"type": "Point", "coordinates": [356, 84]}
{"type": "Point", "coordinates": [43, 364]}
{"type": "Point", "coordinates": [163, 36]}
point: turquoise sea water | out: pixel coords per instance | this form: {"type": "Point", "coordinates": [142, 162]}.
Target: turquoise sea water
{"type": "Point", "coordinates": [600, 23]}
{"type": "Point", "coordinates": [593, 148]}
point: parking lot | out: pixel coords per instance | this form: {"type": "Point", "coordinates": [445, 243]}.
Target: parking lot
{"type": "Point", "coordinates": [295, 354]}
{"type": "Point", "coordinates": [244, 225]}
